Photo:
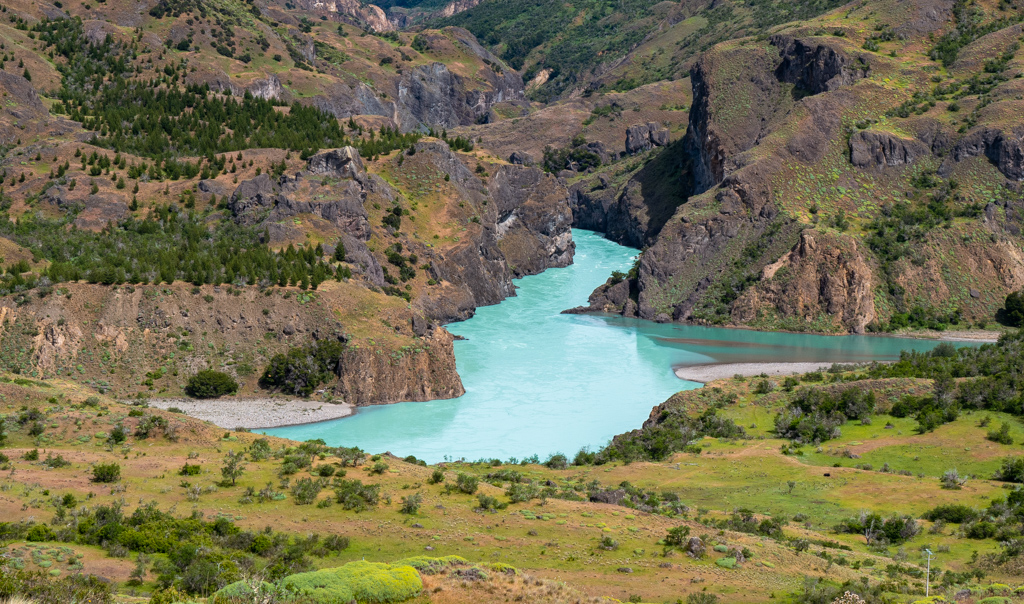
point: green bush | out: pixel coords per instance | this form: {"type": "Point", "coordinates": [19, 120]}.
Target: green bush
{"type": "Point", "coordinates": [306, 490]}
{"type": "Point", "coordinates": [362, 581]}
{"type": "Point", "coordinates": [354, 495]}
{"type": "Point", "coordinates": [951, 512]}
{"type": "Point", "coordinates": [303, 368]}
{"type": "Point", "coordinates": [726, 562]}
{"type": "Point", "coordinates": [40, 532]}
{"type": "Point", "coordinates": [1012, 313]}
{"type": "Point", "coordinates": [190, 469]}
{"type": "Point", "coordinates": [1012, 470]}
{"type": "Point", "coordinates": [466, 483]}
{"type": "Point", "coordinates": [106, 472]}
{"type": "Point", "coordinates": [437, 476]}
{"type": "Point", "coordinates": [411, 503]}
{"type": "Point", "coordinates": [210, 384]}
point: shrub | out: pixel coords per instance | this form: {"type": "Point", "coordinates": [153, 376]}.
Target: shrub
{"type": "Point", "coordinates": [40, 532]}
{"type": "Point", "coordinates": [1011, 471]}
{"type": "Point", "coordinates": [518, 492]}
{"type": "Point", "coordinates": [557, 462]}
{"type": "Point", "coordinates": [466, 483]}
{"type": "Point", "coordinates": [411, 503]}
{"type": "Point", "coordinates": [981, 530]}
{"type": "Point", "coordinates": [489, 503]}
{"type": "Point", "coordinates": [356, 496]}
{"type": "Point", "coordinates": [436, 477]}
{"type": "Point", "coordinates": [305, 491]}
{"type": "Point", "coordinates": [325, 471]}
{"type": "Point", "coordinates": [677, 536]}
{"type": "Point", "coordinates": [379, 468]}
{"type": "Point", "coordinates": [360, 581]}
{"type": "Point", "coordinates": [952, 480]}
{"type": "Point", "coordinates": [210, 384]}
{"type": "Point", "coordinates": [1002, 435]}
{"type": "Point", "coordinates": [431, 566]}
{"type": "Point", "coordinates": [106, 472]}
{"type": "Point", "coordinates": [304, 368]}
{"type": "Point", "coordinates": [952, 512]}
{"type": "Point", "coordinates": [190, 469]}
{"type": "Point", "coordinates": [1013, 310]}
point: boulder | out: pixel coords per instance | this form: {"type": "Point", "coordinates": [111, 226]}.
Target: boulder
{"type": "Point", "coordinates": [341, 163]}
{"type": "Point", "coordinates": [252, 198]}
{"type": "Point", "coordinates": [641, 137]}
{"type": "Point", "coordinates": [520, 158]}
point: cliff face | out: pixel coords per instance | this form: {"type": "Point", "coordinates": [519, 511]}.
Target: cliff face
{"type": "Point", "coordinates": [755, 239]}
{"type": "Point", "coordinates": [124, 338]}
{"type": "Point", "coordinates": [369, 15]}
{"type": "Point", "coordinates": [522, 226]}
{"type": "Point", "coordinates": [824, 275]}
{"type": "Point", "coordinates": [431, 95]}
{"type": "Point", "coordinates": [428, 373]}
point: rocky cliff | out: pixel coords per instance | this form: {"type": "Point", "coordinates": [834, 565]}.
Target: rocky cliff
{"type": "Point", "coordinates": [521, 225]}
{"type": "Point", "coordinates": [367, 15]}
{"type": "Point", "coordinates": [752, 243]}
{"type": "Point", "coordinates": [433, 94]}
{"type": "Point", "coordinates": [121, 339]}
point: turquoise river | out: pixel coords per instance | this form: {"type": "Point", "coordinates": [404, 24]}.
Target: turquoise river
{"type": "Point", "coordinates": [540, 382]}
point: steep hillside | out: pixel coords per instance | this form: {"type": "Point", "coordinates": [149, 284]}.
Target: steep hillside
{"type": "Point", "coordinates": [853, 172]}
{"type": "Point", "coordinates": [164, 165]}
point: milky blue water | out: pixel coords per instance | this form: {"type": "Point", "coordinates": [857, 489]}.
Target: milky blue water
{"type": "Point", "coordinates": [540, 382]}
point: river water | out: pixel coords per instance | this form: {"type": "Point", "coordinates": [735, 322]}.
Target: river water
{"type": "Point", "coordinates": [540, 382]}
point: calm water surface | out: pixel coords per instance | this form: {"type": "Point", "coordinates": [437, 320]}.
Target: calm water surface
{"type": "Point", "coordinates": [540, 382]}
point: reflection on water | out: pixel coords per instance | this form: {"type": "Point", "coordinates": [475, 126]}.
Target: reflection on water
{"type": "Point", "coordinates": [538, 381]}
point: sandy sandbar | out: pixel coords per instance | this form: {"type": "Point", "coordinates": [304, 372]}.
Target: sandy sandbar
{"type": "Point", "coordinates": [721, 371]}
{"type": "Point", "coordinates": [256, 412]}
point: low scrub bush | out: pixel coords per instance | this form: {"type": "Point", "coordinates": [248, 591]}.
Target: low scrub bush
{"type": "Point", "coordinates": [210, 384]}
{"type": "Point", "coordinates": [360, 581]}
{"type": "Point", "coordinates": [952, 512]}
{"type": "Point", "coordinates": [1012, 470]}
{"type": "Point", "coordinates": [106, 472]}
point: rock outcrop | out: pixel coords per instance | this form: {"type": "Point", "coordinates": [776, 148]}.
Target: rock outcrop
{"type": "Point", "coordinates": [641, 137]}
{"type": "Point", "coordinates": [368, 15]}
{"type": "Point", "coordinates": [727, 205]}
{"type": "Point", "coordinates": [370, 378]}
{"type": "Point", "coordinates": [131, 327]}
{"type": "Point", "coordinates": [876, 149]}
{"type": "Point", "coordinates": [432, 94]}
{"type": "Point", "coordinates": [533, 225]}
{"type": "Point", "coordinates": [262, 200]}
{"type": "Point", "coordinates": [340, 163]}
{"type": "Point", "coordinates": [823, 275]}
{"type": "Point", "coordinates": [1005, 149]}
{"type": "Point", "coordinates": [23, 113]}
{"type": "Point", "coordinates": [816, 67]}
{"type": "Point", "coordinates": [524, 227]}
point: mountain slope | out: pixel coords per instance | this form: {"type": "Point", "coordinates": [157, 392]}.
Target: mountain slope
{"type": "Point", "coordinates": [843, 179]}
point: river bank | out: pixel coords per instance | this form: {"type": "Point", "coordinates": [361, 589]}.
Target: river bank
{"type": "Point", "coordinates": [720, 371]}
{"type": "Point", "coordinates": [256, 412]}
